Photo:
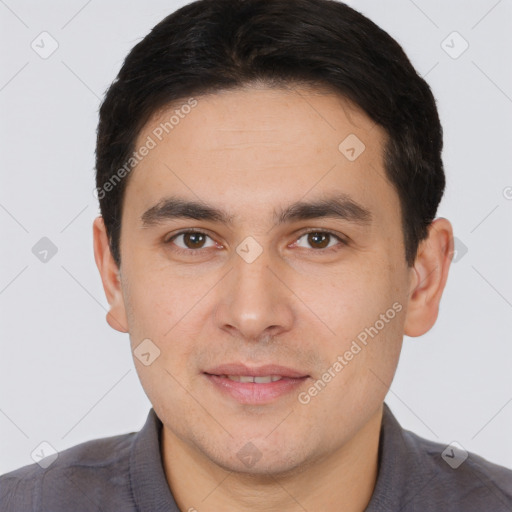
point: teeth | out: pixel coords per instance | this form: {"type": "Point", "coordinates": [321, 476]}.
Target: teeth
{"type": "Point", "coordinates": [257, 380]}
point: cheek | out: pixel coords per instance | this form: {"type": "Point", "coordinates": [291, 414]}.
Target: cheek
{"type": "Point", "coordinates": [344, 300]}
{"type": "Point", "coordinates": [167, 310]}
{"type": "Point", "coordinates": [153, 299]}
{"type": "Point", "coordinates": [362, 312]}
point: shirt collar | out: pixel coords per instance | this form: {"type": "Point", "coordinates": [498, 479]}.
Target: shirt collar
{"type": "Point", "coordinates": [398, 468]}
{"type": "Point", "coordinates": [147, 477]}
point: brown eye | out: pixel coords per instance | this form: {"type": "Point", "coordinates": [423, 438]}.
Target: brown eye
{"type": "Point", "coordinates": [192, 240]}
{"type": "Point", "coordinates": [319, 240]}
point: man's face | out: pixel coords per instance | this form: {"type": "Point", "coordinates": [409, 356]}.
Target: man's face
{"type": "Point", "coordinates": [260, 290]}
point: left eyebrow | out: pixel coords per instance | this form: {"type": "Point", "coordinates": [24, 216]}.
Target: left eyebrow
{"type": "Point", "coordinates": [340, 206]}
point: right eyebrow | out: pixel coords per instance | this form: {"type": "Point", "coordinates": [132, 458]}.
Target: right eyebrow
{"type": "Point", "coordinates": [175, 207]}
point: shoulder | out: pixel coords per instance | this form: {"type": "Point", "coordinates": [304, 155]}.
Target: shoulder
{"type": "Point", "coordinates": [93, 472]}
{"type": "Point", "coordinates": [419, 475]}
{"type": "Point", "coordinates": [459, 477]}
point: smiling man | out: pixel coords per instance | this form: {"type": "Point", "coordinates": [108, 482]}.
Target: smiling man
{"type": "Point", "coordinates": [268, 174]}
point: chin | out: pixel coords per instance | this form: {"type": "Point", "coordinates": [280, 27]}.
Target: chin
{"type": "Point", "coordinates": [259, 459]}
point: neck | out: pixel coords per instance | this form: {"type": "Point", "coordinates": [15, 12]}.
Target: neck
{"type": "Point", "coordinates": [341, 480]}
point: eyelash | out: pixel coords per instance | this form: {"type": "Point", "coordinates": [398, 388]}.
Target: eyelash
{"type": "Point", "coordinates": [199, 251]}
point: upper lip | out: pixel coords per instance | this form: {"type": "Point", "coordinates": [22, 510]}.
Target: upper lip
{"type": "Point", "coordinates": [255, 371]}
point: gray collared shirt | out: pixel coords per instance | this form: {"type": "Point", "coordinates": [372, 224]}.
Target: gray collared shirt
{"type": "Point", "coordinates": [125, 474]}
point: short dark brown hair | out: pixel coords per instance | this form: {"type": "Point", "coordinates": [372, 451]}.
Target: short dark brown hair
{"type": "Point", "coordinates": [213, 45]}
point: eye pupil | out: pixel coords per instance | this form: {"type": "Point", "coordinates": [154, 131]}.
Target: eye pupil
{"type": "Point", "coordinates": [196, 239]}
{"type": "Point", "coordinates": [320, 240]}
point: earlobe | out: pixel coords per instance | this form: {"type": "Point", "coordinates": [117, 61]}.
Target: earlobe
{"type": "Point", "coordinates": [429, 279]}
{"type": "Point", "coordinates": [109, 273]}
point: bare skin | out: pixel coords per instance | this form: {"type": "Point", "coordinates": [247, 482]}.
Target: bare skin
{"type": "Point", "coordinates": [300, 304]}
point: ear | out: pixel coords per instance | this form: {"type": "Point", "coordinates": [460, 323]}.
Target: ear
{"type": "Point", "coordinates": [110, 277]}
{"type": "Point", "coordinates": [430, 273]}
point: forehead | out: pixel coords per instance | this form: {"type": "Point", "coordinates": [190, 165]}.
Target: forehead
{"type": "Point", "coordinates": [305, 117]}
{"type": "Point", "coordinates": [259, 146]}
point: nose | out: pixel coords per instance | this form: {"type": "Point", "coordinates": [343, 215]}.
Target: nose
{"type": "Point", "coordinates": [254, 303]}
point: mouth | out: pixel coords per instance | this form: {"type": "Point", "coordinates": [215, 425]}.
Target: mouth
{"type": "Point", "coordinates": [255, 385]}
{"type": "Point", "coordinates": [257, 380]}
{"type": "Point", "coordinates": [267, 370]}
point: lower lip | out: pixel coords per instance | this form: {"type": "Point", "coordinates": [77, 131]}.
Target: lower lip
{"type": "Point", "coordinates": [252, 393]}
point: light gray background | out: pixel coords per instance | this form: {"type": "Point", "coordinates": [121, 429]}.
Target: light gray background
{"type": "Point", "coordinates": [66, 377]}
